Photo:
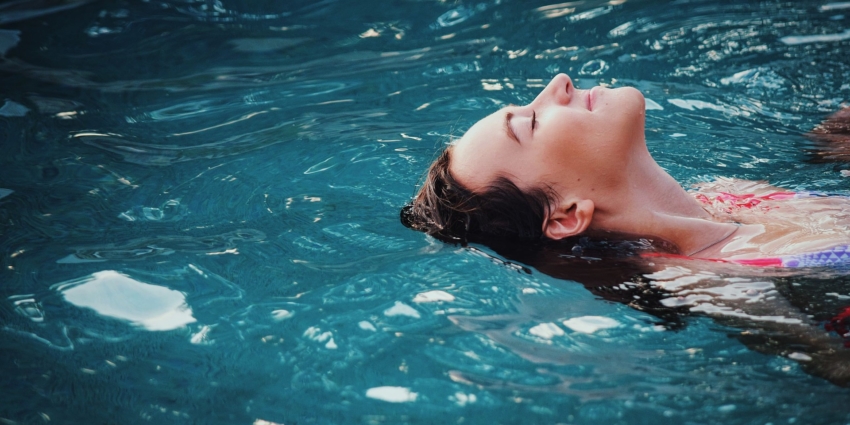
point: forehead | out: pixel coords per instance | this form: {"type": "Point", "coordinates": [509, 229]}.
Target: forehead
{"type": "Point", "coordinates": [478, 157]}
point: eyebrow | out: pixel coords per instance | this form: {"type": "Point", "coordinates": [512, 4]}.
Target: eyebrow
{"type": "Point", "coordinates": [508, 129]}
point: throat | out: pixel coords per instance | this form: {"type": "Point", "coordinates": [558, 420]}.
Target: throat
{"type": "Point", "coordinates": [667, 197]}
{"type": "Point", "coordinates": [647, 201]}
{"type": "Point", "coordinates": [649, 186]}
{"type": "Point", "coordinates": [653, 204]}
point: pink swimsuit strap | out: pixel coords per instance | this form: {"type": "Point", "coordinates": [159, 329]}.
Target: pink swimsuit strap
{"type": "Point", "coordinates": [747, 200]}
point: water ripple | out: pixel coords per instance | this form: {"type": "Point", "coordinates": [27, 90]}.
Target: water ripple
{"type": "Point", "coordinates": [247, 161]}
{"type": "Point", "coordinates": [217, 78]}
{"type": "Point", "coordinates": [144, 153]}
{"type": "Point", "coordinates": [142, 248]}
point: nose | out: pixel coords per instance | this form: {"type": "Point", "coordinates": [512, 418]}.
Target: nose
{"type": "Point", "coordinates": [558, 91]}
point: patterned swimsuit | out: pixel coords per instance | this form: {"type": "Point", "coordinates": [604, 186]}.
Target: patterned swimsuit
{"type": "Point", "coordinates": [838, 256]}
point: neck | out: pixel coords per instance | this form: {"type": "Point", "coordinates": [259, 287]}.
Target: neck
{"type": "Point", "coordinates": [648, 201]}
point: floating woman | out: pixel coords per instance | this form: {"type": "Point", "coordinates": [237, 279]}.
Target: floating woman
{"type": "Point", "coordinates": [536, 182]}
{"type": "Point", "coordinates": [575, 162]}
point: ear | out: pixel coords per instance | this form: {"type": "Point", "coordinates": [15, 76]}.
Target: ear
{"type": "Point", "coordinates": [569, 219]}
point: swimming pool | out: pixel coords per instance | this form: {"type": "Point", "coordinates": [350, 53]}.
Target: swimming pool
{"type": "Point", "coordinates": [199, 211]}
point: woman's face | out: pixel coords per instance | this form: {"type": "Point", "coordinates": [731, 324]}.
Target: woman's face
{"type": "Point", "coordinates": [577, 141]}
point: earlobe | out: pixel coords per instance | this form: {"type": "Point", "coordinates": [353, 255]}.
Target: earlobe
{"type": "Point", "coordinates": [569, 220]}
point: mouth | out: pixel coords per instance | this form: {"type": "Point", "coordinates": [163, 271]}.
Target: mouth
{"type": "Point", "coordinates": [589, 99]}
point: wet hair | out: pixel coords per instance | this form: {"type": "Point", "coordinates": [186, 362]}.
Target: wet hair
{"type": "Point", "coordinates": [501, 212]}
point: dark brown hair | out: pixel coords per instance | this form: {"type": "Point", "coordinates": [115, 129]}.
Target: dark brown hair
{"type": "Point", "coordinates": [502, 211]}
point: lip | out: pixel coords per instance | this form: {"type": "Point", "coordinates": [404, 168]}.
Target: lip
{"type": "Point", "coordinates": [589, 99]}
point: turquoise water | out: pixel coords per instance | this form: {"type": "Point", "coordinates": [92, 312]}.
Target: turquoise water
{"type": "Point", "coordinates": [199, 212]}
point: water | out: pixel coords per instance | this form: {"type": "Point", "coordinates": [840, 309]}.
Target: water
{"type": "Point", "coordinates": [199, 202]}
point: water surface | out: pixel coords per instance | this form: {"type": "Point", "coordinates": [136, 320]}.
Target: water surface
{"type": "Point", "coordinates": [199, 202]}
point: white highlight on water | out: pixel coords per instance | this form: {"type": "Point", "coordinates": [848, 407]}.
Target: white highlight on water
{"type": "Point", "coordinates": [546, 330]}
{"type": "Point", "coordinates": [651, 105]}
{"type": "Point", "coordinates": [317, 335]}
{"type": "Point", "coordinates": [799, 356]}
{"type": "Point", "coordinates": [265, 422]}
{"type": "Point", "coordinates": [793, 40]}
{"type": "Point", "coordinates": [200, 338]}
{"type": "Point", "coordinates": [392, 394]}
{"type": "Point", "coordinates": [281, 314]}
{"type": "Point", "coordinates": [366, 326]}
{"type": "Point", "coordinates": [433, 296]}
{"type": "Point", "coordinates": [712, 309]}
{"type": "Point", "coordinates": [462, 399]}
{"type": "Point", "coordinates": [692, 104]}
{"type": "Point", "coordinates": [402, 309]}
{"type": "Point", "coordinates": [115, 295]}
{"type": "Point", "coordinates": [590, 324]}
{"type": "Point", "coordinates": [835, 6]}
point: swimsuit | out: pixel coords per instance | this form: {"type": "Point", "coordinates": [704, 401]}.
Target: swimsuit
{"type": "Point", "coordinates": [833, 257]}
{"type": "Point", "coordinates": [840, 324]}
{"type": "Point", "coordinates": [730, 202]}
{"type": "Point", "coordinates": [838, 256]}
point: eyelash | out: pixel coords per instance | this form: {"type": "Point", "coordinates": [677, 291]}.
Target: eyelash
{"type": "Point", "coordinates": [533, 120]}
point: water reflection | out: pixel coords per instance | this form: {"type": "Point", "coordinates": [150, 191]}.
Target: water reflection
{"type": "Point", "coordinates": [116, 295]}
{"type": "Point", "coordinates": [774, 311]}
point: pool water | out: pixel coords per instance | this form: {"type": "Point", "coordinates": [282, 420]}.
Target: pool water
{"type": "Point", "coordinates": [199, 213]}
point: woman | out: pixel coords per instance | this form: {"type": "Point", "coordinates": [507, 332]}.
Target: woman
{"type": "Point", "coordinates": [575, 162]}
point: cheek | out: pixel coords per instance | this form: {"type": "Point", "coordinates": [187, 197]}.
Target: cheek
{"type": "Point", "coordinates": [528, 170]}
{"type": "Point", "coordinates": [560, 157]}
{"type": "Point", "coordinates": [632, 106]}
{"type": "Point", "coordinates": [571, 139]}
{"type": "Point", "coordinates": [485, 166]}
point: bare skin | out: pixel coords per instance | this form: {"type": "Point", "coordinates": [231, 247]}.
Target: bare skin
{"type": "Point", "coordinates": [589, 146]}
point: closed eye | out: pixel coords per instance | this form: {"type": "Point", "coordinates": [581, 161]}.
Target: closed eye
{"type": "Point", "coordinates": [533, 120]}
{"type": "Point", "coordinates": [509, 130]}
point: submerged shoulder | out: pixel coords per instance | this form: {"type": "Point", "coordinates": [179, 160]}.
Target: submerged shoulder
{"type": "Point", "coordinates": [737, 187]}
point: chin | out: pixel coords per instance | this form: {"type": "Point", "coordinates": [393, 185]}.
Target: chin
{"type": "Point", "coordinates": [624, 98]}
{"type": "Point", "coordinates": [631, 102]}
{"type": "Point", "coordinates": [633, 96]}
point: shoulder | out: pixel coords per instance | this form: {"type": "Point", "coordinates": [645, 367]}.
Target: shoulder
{"type": "Point", "coordinates": [737, 187]}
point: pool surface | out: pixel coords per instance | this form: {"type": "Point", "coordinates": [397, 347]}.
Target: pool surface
{"type": "Point", "coordinates": [199, 208]}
